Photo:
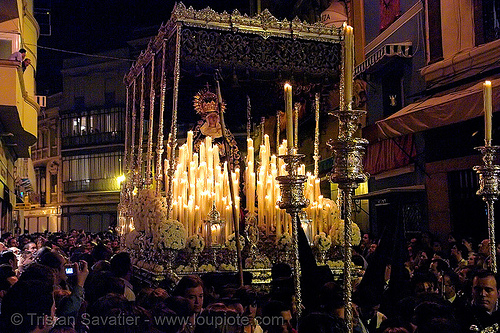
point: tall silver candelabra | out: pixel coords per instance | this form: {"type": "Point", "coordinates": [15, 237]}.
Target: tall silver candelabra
{"type": "Point", "coordinates": [348, 172]}
{"type": "Point", "coordinates": [489, 176]}
{"type": "Point", "coordinates": [293, 201]}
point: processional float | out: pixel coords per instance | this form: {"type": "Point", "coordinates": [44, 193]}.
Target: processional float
{"type": "Point", "coordinates": [162, 206]}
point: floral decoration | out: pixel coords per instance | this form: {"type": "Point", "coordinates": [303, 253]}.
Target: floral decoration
{"type": "Point", "coordinates": [195, 244]}
{"type": "Point", "coordinates": [337, 234]}
{"type": "Point", "coordinates": [231, 242]}
{"type": "Point", "coordinates": [322, 242]}
{"type": "Point", "coordinates": [207, 268]}
{"type": "Point", "coordinates": [284, 242]}
{"type": "Point", "coordinates": [227, 267]}
{"type": "Point", "coordinates": [170, 234]}
{"type": "Point", "coordinates": [259, 262]}
{"type": "Point", "coordinates": [335, 264]}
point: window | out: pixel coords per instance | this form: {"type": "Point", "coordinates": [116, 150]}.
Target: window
{"type": "Point", "coordinates": [435, 37]}
{"type": "Point", "coordinates": [487, 20]}
{"type": "Point", "coordinates": [95, 166]}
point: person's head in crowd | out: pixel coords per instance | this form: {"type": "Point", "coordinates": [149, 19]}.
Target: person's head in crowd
{"type": "Point", "coordinates": [484, 247]}
{"type": "Point", "coordinates": [476, 259]}
{"type": "Point", "coordinates": [372, 249]}
{"type": "Point", "coordinates": [395, 325]}
{"type": "Point", "coordinates": [172, 308]}
{"type": "Point", "coordinates": [22, 302]}
{"type": "Point", "coordinates": [102, 252]}
{"type": "Point", "coordinates": [149, 297]}
{"type": "Point", "coordinates": [133, 318]}
{"type": "Point", "coordinates": [366, 240]}
{"type": "Point", "coordinates": [12, 242]}
{"type": "Point", "coordinates": [7, 278]}
{"type": "Point", "coordinates": [247, 297]}
{"type": "Point", "coordinates": [115, 245]}
{"type": "Point", "coordinates": [458, 251]}
{"type": "Point", "coordinates": [3, 247]}
{"type": "Point", "coordinates": [100, 284]}
{"type": "Point", "coordinates": [451, 284]}
{"type": "Point", "coordinates": [8, 257]}
{"type": "Point", "coordinates": [424, 282]}
{"type": "Point", "coordinates": [37, 271]}
{"type": "Point", "coordinates": [121, 264]}
{"type": "Point", "coordinates": [469, 243]}
{"type": "Point", "coordinates": [101, 265]}
{"type": "Point", "coordinates": [276, 309]}
{"type": "Point", "coordinates": [71, 242]}
{"type": "Point", "coordinates": [438, 266]}
{"type": "Point", "coordinates": [60, 242]}
{"type": "Point", "coordinates": [55, 261]}
{"type": "Point", "coordinates": [30, 247]}
{"type": "Point", "coordinates": [331, 299]}
{"type": "Point", "coordinates": [431, 315]}
{"type": "Point", "coordinates": [191, 287]}
{"type": "Point", "coordinates": [485, 290]}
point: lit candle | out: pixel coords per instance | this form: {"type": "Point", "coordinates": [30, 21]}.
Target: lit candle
{"type": "Point", "coordinates": [289, 116]}
{"type": "Point", "coordinates": [189, 142]}
{"type": "Point", "coordinates": [488, 112]}
{"type": "Point", "coordinates": [348, 65]}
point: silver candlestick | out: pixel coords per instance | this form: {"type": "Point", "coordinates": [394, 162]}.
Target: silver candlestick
{"type": "Point", "coordinates": [348, 172]}
{"type": "Point", "coordinates": [293, 201]}
{"type": "Point", "coordinates": [489, 176]}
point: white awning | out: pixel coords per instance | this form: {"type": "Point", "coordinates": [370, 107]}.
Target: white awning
{"type": "Point", "coordinates": [438, 111]}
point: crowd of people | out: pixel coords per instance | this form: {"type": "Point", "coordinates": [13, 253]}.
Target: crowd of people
{"type": "Point", "coordinates": [79, 282]}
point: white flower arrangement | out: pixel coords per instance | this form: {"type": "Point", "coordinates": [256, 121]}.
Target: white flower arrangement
{"type": "Point", "coordinates": [170, 234]}
{"type": "Point", "coordinates": [337, 234]}
{"type": "Point", "coordinates": [231, 242]}
{"type": "Point", "coordinates": [195, 244]}
{"type": "Point", "coordinates": [335, 264]}
{"type": "Point", "coordinates": [260, 262]}
{"type": "Point", "coordinates": [284, 242]}
{"type": "Point", "coordinates": [322, 242]}
{"type": "Point", "coordinates": [227, 267]}
{"type": "Point", "coordinates": [184, 269]}
{"type": "Point", "coordinates": [146, 208]}
{"type": "Point", "coordinates": [207, 268]}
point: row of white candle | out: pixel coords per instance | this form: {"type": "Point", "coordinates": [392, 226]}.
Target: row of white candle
{"type": "Point", "coordinates": [265, 187]}
{"type": "Point", "coordinates": [199, 181]}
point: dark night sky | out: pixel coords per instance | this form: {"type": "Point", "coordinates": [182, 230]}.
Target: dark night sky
{"type": "Point", "coordinates": [92, 26]}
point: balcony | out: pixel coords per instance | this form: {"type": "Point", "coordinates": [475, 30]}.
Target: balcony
{"type": "Point", "coordinates": [92, 185]}
{"type": "Point", "coordinates": [18, 111]}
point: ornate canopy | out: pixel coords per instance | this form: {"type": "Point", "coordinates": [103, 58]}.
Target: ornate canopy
{"type": "Point", "coordinates": [254, 57]}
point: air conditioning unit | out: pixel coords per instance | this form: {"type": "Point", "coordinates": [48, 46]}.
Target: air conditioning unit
{"type": "Point", "coordinates": [42, 101]}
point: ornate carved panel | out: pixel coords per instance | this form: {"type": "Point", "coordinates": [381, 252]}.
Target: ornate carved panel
{"type": "Point", "coordinates": [221, 49]}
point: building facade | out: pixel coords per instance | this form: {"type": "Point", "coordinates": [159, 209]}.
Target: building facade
{"type": "Point", "coordinates": [425, 63]}
{"type": "Point", "coordinates": [18, 111]}
{"type": "Point", "coordinates": [92, 120]}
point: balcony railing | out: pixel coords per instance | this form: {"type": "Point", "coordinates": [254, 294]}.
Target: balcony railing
{"type": "Point", "coordinates": [93, 139]}
{"type": "Point", "coordinates": [91, 185]}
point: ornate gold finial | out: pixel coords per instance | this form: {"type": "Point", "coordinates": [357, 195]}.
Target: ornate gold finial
{"type": "Point", "coordinates": [205, 102]}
